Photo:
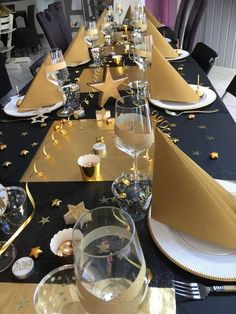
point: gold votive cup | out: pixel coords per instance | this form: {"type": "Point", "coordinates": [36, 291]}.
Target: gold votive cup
{"type": "Point", "coordinates": [89, 166]}
{"type": "Point", "coordinates": [118, 59]}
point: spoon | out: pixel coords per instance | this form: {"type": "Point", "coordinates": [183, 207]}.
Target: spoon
{"type": "Point", "coordinates": [176, 114]}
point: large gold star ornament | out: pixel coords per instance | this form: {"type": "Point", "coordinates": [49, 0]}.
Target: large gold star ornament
{"type": "Point", "coordinates": [35, 252]}
{"type": "Point", "coordinates": [74, 212]}
{"type": "Point", "coordinates": [108, 86]}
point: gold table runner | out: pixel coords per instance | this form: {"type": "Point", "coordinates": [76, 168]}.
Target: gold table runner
{"type": "Point", "coordinates": [80, 137]}
{"type": "Point", "coordinates": [17, 298]}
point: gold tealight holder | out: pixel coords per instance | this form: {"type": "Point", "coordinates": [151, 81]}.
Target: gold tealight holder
{"type": "Point", "coordinates": [89, 167]}
{"type": "Point", "coordinates": [118, 59]}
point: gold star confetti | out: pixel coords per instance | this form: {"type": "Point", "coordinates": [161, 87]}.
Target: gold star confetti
{"type": "Point", "coordinates": [104, 200]}
{"type": "Point", "coordinates": [109, 86]}
{"type": "Point", "coordinates": [103, 114]}
{"type": "Point", "coordinates": [24, 133]}
{"type": "Point", "coordinates": [43, 125]}
{"type": "Point", "coordinates": [214, 155]}
{"type": "Point", "coordinates": [201, 126]}
{"type": "Point", "coordinates": [103, 247]}
{"type": "Point", "coordinates": [210, 138]}
{"type": "Point", "coordinates": [35, 252]}
{"type": "Point", "coordinates": [175, 140]}
{"type": "Point", "coordinates": [56, 202]}
{"type": "Point", "coordinates": [173, 125]}
{"type": "Point", "coordinates": [24, 152]}
{"type": "Point", "coordinates": [74, 212]}
{"type": "Point", "coordinates": [196, 153]}
{"type": "Point", "coordinates": [44, 220]}
{"type": "Point", "coordinates": [191, 116]}
{"type": "Point", "coordinates": [3, 146]}
{"type": "Point", "coordinates": [34, 144]}
{"type": "Point", "coordinates": [1, 133]}
{"type": "Point", "coordinates": [99, 139]}
{"type": "Point", "coordinates": [113, 199]}
{"type": "Point", "coordinates": [22, 303]}
{"type": "Point", "coordinates": [6, 164]}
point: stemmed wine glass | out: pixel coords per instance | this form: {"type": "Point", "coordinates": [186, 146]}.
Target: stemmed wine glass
{"type": "Point", "coordinates": [91, 37]}
{"type": "Point", "coordinates": [57, 73]}
{"type": "Point", "coordinates": [133, 127]}
{"type": "Point", "coordinates": [119, 12]}
{"type": "Point", "coordinates": [143, 51]}
{"type": "Point", "coordinates": [13, 212]}
{"type": "Point", "coordinates": [109, 264]}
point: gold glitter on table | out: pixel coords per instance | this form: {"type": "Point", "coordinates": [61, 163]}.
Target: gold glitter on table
{"type": "Point", "coordinates": [79, 140]}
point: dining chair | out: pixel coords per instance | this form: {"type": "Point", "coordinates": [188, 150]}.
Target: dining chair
{"type": "Point", "coordinates": [57, 10]}
{"type": "Point", "coordinates": [5, 84]}
{"type": "Point", "coordinates": [231, 88]}
{"type": "Point", "coordinates": [195, 16]}
{"type": "Point", "coordinates": [204, 56]}
{"type": "Point", "coordinates": [52, 30]}
{"type": "Point", "coordinates": [181, 18]}
{"type": "Point", "coordinates": [36, 65]}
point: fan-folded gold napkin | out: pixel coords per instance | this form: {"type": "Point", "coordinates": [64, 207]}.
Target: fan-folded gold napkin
{"type": "Point", "coordinates": [160, 42]}
{"type": "Point", "coordinates": [185, 197]}
{"type": "Point", "coordinates": [152, 18]}
{"type": "Point", "coordinates": [128, 14]}
{"type": "Point", "coordinates": [41, 93]}
{"type": "Point", "coordinates": [78, 49]}
{"type": "Point", "coordinates": [166, 83]}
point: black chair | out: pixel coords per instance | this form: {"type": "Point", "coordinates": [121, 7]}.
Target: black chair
{"type": "Point", "coordinates": [27, 37]}
{"type": "Point", "coordinates": [204, 56]}
{"type": "Point", "coordinates": [5, 84]}
{"type": "Point", "coordinates": [180, 18]}
{"type": "Point", "coordinates": [52, 30]}
{"type": "Point", "coordinates": [36, 65]}
{"type": "Point", "coordinates": [56, 9]}
{"type": "Point", "coordinates": [194, 19]}
{"type": "Point", "coordinates": [231, 88]}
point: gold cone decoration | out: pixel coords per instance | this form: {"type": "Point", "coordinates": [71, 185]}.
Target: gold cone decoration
{"type": "Point", "coordinates": [128, 14]}
{"type": "Point", "coordinates": [160, 42]}
{"type": "Point", "coordinates": [41, 93]}
{"type": "Point", "coordinates": [78, 49]}
{"type": "Point", "coordinates": [152, 18]}
{"type": "Point", "coordinates": [185, 197]}
{"type": "Point", "coordinates": [108, 86]}
{"type": "Point", "coordinates": [166, 83]}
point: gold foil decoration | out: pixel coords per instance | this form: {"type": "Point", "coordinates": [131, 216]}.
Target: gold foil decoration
{"type": "Point", "coordinates": [56, 202]}
{"type": "Point", "coordinates": [6, 164]}
{"type": "Point", "coordinates": [44, 220]}
{"type": "Point", "coordinates": [65, 249]}
{"type": "Point", "coordinates": [214, 155]}
{"type": "Point", "coordinates": [3, 146]}
{"type": "Point", "coordinates": [38, 173]}
{"type": "Point", "coordinates": [34, 144]}
{"type": "Point", "coordinates": [191, 116]}
{"type": "Point", "coordinates": [74, 213]}
{"type": "Point", "coordinates": [35, 252]}
{"type": "Point", "coordinates": [89, 166]}
{"type": "Point", "coordinates": [24, 152]}
{"type": "Point", "coordinates": [55, 141]}
{"type": "Point", "coordinates": [47, 156]}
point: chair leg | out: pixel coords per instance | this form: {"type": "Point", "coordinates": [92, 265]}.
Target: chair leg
{"type": "Point", "coordinates": [27, 51]}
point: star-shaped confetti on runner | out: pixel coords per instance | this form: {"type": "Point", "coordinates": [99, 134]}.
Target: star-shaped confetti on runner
{"type": "Point", "coordinates": [6, 164]}
{"type": "Point", "coordinates": [56, 202]}
{"type": "Point", "coordinates": [35, 252]}
{"type": "Point", "coordinates": [3, 146]}
{"type": "Point", "coordinates": [210, 138]}
{"type": "Point", "coordinates": [104, 200]}
{"type": "Point", "coordinates": [40, 118]}
{"type": "Point", "coordinates": [214, 155]}
{"type": "Point", "coordinates": [24, 133]}
{"type": "Point", "coordinates": [103, 247]}
{"type": "Point", "coordinates": [201, 126]}
{"type": "Point", "coordinates": [43, 125]}
{"type": "Point", "coordinates": [22, 303]}
{"type": "Point", "coordinates": [74, 212]}
{"type": "Point", "coordinates": [34, 144]}
{"type": "Point", "coordinates": [1, 133]}
{"type": "Point", "coordinates": [24, 152]}
{"type": "Point", "coordinates": [196, 153]}
{"type": "Point", "coordinates": [44, 220]}
{"type": "Point", "coordinates": [173, 125]}
{"type": "Point", "coordinates": [109, 86]}
{"type": "Point", "coordinates": [113, 199]}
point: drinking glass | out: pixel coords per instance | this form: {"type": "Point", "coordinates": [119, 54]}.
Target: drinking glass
{"type": "Point", "coordinates": [110, 13]}
{"type": "Point", "coordinates": [133, 127]}
{"type": "Point", "coordinates": [13, 214]}
{"type": "Point", "coordinates": [56, 72]}
{"type": "Point", "coordinates": [71, 94]}
{"type": "Point", "coordinates": [143, 51]}
{"type": "Point", "coordinates": [91, 36]}
{"type": "Point", "coordinates": [109, 264]}
{"type": "Point", "coordinates": [119, 12]}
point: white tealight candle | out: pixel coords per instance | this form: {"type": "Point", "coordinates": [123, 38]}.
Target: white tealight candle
{"type": "Point", "coordinates": [23, 267]}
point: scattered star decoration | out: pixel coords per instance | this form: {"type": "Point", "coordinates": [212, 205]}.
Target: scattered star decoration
{"type": "Point", "coordinates": [24, 133]}
{"type": "Point", "coordinates": [40, 118]}
{"type": "Point", "coordinates": [44, 220]}
{"type": "Point", "coordinates": [196, 153]}
{"type": "Point", "coordinates": [6, 164]}
{"type": "Point", "coordinates": [214, 155]}
{"type": "Point", "coordinates": [24, 152]}
{"type": "Point", "coordinates": [22, 303]}
{"type": "Point", "coordinates": [108, 86]}
{"type": "Point", "coordinates": [74, 212]}
{"type": "Point", "coordinates": [103, 247]}
{"type": "Point", "coordinates": [56, 202]}
{"type": "Point", "coordinates": [210, 138]}
{"type": "Point", "coordinates": [3, 146]}
{"type": "Point", "coordinates": [173, 125]}
{"type": "Point", "coordinates": [104, 200]}
{"type": "Point", "coordinates": [35, 252]}
{"type": "Point", "coordinates": [201, 126]}
{"type": "Point", "coordinates": [34, 144]}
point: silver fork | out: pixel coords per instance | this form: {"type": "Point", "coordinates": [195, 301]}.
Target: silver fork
{"type": "Point", "coordinates": [197, 290]}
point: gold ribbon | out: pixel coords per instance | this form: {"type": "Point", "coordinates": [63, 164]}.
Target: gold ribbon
{"type": "Point", "coordinates": [25, 223]}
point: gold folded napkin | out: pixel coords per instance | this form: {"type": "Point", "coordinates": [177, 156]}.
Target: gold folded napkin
{"type": "Point", "coordinates": [78, 49]}
{"type": "Point", "coordinates": [41, 93]}
{"type": "Point", "coordinates": [167, 83]}
{"type": "Point", "coordinates": [152, 18]}
{"type": "Point", "coordinates": [185, 197]}
{"type": "Point", "coordinates": [128, 14]}
{"type": "Point", "coordinates": [160, 42]}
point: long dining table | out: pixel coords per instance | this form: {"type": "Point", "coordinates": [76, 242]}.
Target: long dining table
{"type": "Point", "coordinates": [203, 134]}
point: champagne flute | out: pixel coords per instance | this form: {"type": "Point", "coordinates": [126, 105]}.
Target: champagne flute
{"type": "Point", "coordinates": [57, 73]}
{"type": "Point", "coordinates": [109, 264]}
{"type": "Point", "coordinates": [91, 36]}
{"type": "Point", "coordinates": [133, 127]}
{"type": "Point", "coordinates": [119, 12]}
{"type": "Point", "coordinates": [143, 51]}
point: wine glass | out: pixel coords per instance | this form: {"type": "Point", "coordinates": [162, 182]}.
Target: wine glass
{"type": "Point", "coordinates": [91, 36]}
{"type": "Point", "coordinates": [133, 127]}
{"type": "Point", "coordinates": [109, 264]}
{"type": "Point", "coordinates": [13, 213]}
{"type": "Point", "coordinates": [143, 51]}
{"type": "Point", "coordinates": [110, 14]}
{"type": "Point", "coordinates": [57, 73]}
{"type": "Point", "coordinates": [119, 12]}
{"type": "Point", "coordinates": [140, 23]}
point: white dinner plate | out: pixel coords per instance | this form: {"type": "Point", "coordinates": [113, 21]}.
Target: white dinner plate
{"type": "Point", "coordinates": [73, 65]}
{"type": "Point", "coordinates": [12, 110]}
{"type": "Point", "coordinates": [208, 97]}
{"type": "Point", "coordinates": [198, 257]}
{"type": "Point", "coordinates": [183, 54]}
